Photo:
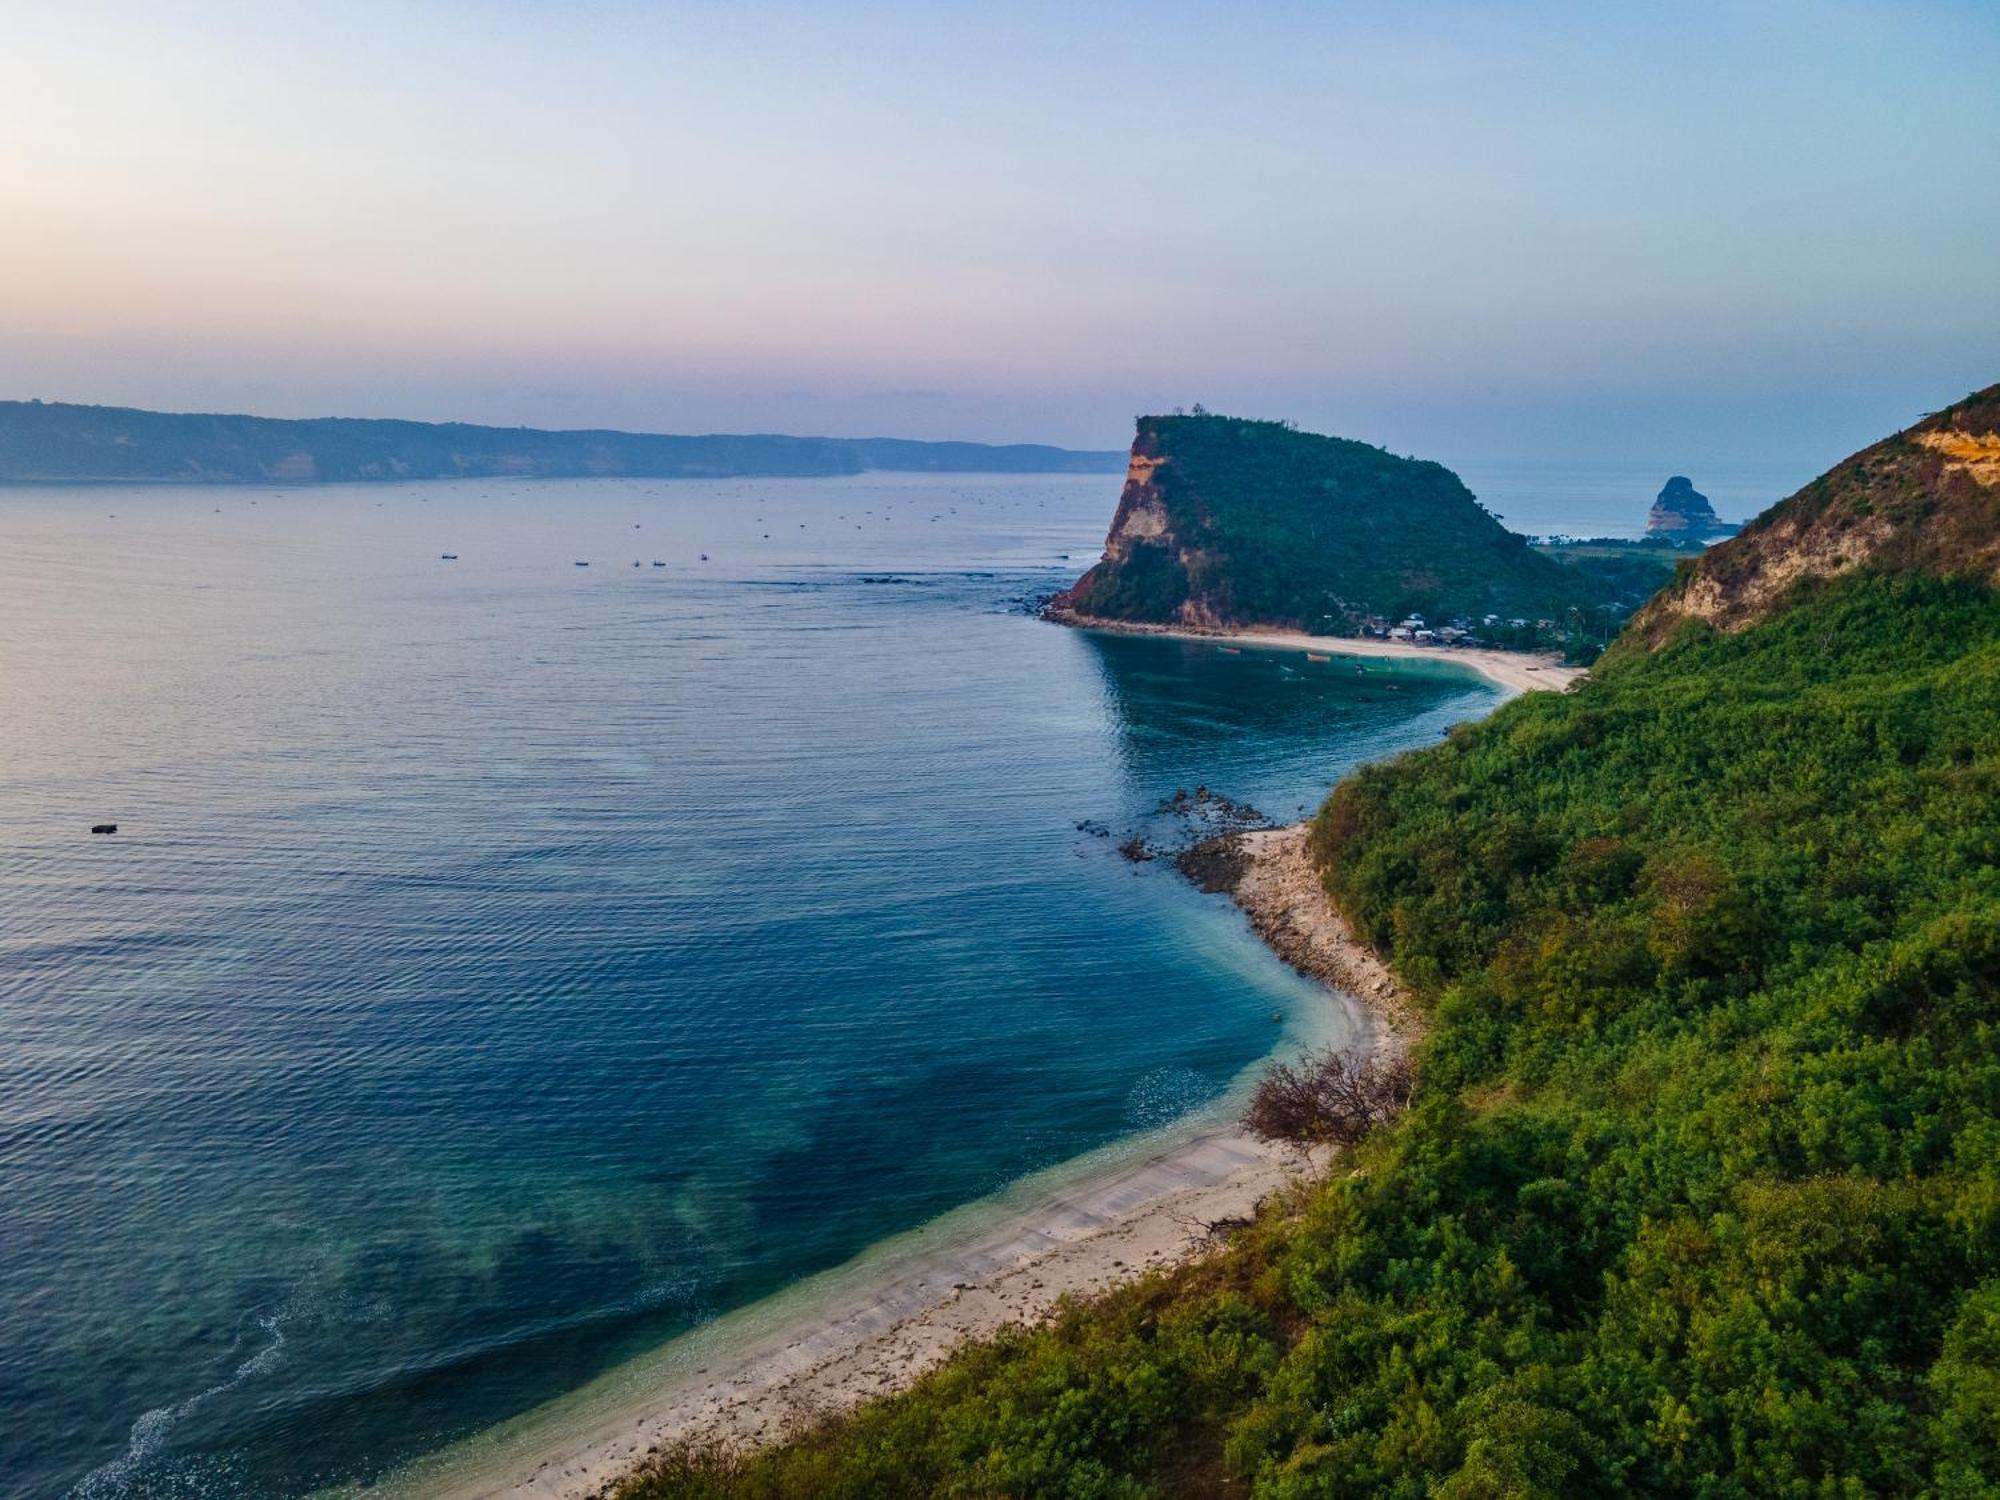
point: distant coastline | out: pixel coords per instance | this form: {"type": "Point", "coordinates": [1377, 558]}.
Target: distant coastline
{"type": "Point", "coordinates": [54, 442]}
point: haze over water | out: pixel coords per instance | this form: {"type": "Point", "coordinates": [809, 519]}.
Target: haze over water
{"type": "Point", "coordinates": [504, 964]}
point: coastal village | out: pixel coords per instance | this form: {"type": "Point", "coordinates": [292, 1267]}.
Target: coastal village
{"type": "Point", "coordinates": [1459, 632]}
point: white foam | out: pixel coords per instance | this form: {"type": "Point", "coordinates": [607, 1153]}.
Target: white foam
{"type": "Point", "coordinates": [149, 1432]}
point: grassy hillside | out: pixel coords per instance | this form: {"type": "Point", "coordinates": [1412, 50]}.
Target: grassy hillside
{"type": "Point", "coordinates": [1926, 500]}
{"type": "Point", "coordinates": [1225, 521]}
{"type": "Point", "coordinates": [1701, 1190]}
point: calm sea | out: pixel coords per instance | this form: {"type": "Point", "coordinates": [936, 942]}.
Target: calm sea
{"type": "Point", "coordinates": [504, 964]}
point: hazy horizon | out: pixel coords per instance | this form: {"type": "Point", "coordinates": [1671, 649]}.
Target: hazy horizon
{"type": "Point", "coordinates": [1706, 235]}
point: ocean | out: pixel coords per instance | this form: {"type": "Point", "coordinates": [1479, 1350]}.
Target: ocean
{"type": "Point", "coordinates": [505, 963]}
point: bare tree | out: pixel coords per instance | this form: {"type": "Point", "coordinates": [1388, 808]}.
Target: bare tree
{"type": "Point", "coordinates": [1327, 1098]}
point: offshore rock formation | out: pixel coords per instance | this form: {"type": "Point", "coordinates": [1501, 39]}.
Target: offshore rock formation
{"type": "Point", "coordinates": [1683, 510]}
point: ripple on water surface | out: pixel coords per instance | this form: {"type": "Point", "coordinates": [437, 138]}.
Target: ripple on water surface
{"type": "Point", "coordinates": [501, 965]}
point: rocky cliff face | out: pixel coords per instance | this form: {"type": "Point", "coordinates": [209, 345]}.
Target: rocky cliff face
{"type": "Point", "coordinates": [1226, 521]}
{"type": "Point", "coordinates": [1683, 510]}
{"type": "Point", "coordinates": [1141, 517]}
{"type": "Point", "coordinates": [1927, 500]}
{"type": "Point", "coordinates": [1144, 571]}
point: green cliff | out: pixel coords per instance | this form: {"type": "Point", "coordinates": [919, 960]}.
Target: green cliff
{"type": "Point", "coordinates": [1228, 522]}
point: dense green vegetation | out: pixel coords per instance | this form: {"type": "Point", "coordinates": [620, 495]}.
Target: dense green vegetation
{"type": "Point", "coordinates": [1266, 524]}
{"type": "Point", "coordinates": [1631, 571]}
{"type": "Point", "coordinates": [1700, 1190]}
{"type": "Point", "coordinates": [61, 442]}
{"type": "Point", "coordinates": [1627, 572]}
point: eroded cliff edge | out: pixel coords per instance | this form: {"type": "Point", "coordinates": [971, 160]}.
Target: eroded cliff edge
{"type": "Point", "coordinates": [1926, 500]}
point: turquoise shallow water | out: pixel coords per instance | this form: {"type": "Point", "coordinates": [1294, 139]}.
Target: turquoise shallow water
{"type": "Point", "coordinates": [503, 965]}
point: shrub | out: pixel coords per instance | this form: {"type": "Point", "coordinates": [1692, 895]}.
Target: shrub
{"type": "Point", "coordinates": [1328, 1098]}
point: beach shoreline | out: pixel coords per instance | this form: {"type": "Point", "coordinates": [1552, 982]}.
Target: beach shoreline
{"type": "Point", "coordinates": [875, 1326]}
{"type": "Point", "coordinates": [1278, 888]}
{"type": "Point", "coordinates": [760, 1379]}
{"type": "Point", "coordinates": [1514, 672]}
{"type": "Point", "coordinates": [754, 1376]}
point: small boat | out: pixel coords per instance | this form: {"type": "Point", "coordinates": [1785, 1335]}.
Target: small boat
{"type": "Point", "coordinates": [583, 565]}
{"type": "Point", "coordinates": [448, 557]}
{"type": "Point", "coordinates": [103, 827]}
{"type": "Point", "coordinates": [658, 564]}
{"type": "Point", "coordinates": [1311, 657]}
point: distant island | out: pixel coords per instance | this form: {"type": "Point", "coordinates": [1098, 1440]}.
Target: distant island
{"type": "Point", "coordinates": [1681, 510]}
{"type": "Point", "coordinates": [57, 442]}
{"type": "Point", "coordinates": [1228, 522]}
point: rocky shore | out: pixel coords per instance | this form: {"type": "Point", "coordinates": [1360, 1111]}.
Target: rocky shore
{"type": "Point", "coordinates": [1270, 874]}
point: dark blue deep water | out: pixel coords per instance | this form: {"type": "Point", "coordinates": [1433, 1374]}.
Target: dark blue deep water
{"type": "Point", "coordinates": [503, 965]}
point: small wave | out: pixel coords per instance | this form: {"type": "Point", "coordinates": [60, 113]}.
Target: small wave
{"type": "Point", "coordinates": [149, 1432]}
{"type": "Point", "coordinates": [1165, 1094]}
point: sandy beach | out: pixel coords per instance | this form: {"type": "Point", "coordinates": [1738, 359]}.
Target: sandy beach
{"type": "Point", "coordinates": [830, 1350]}
{"type": "Point", "coordinates": [868, 1329]}
{"type": "Point", "coordinates": [1515, 671]}
{"type": "Point", "coordinates": [838, 1339]}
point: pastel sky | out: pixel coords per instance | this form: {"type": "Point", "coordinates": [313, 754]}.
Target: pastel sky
{"type": "Point", "coordinates": [1713, 230]}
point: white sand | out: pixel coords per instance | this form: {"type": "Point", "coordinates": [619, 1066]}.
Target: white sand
{"type": "Point", "coordinates": [749, 1379]}
{"type": "Point", "coordinates": [876, 1325]}
{"type": "Point", "coordinates": [1516, 671]}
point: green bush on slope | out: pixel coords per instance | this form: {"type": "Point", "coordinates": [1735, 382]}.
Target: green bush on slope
{"type": "Point", "coordinates": [1700, 1193]}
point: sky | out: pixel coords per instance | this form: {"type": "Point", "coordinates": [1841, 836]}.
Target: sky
{"type": "Point", "coordinates": [1706, 231]}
